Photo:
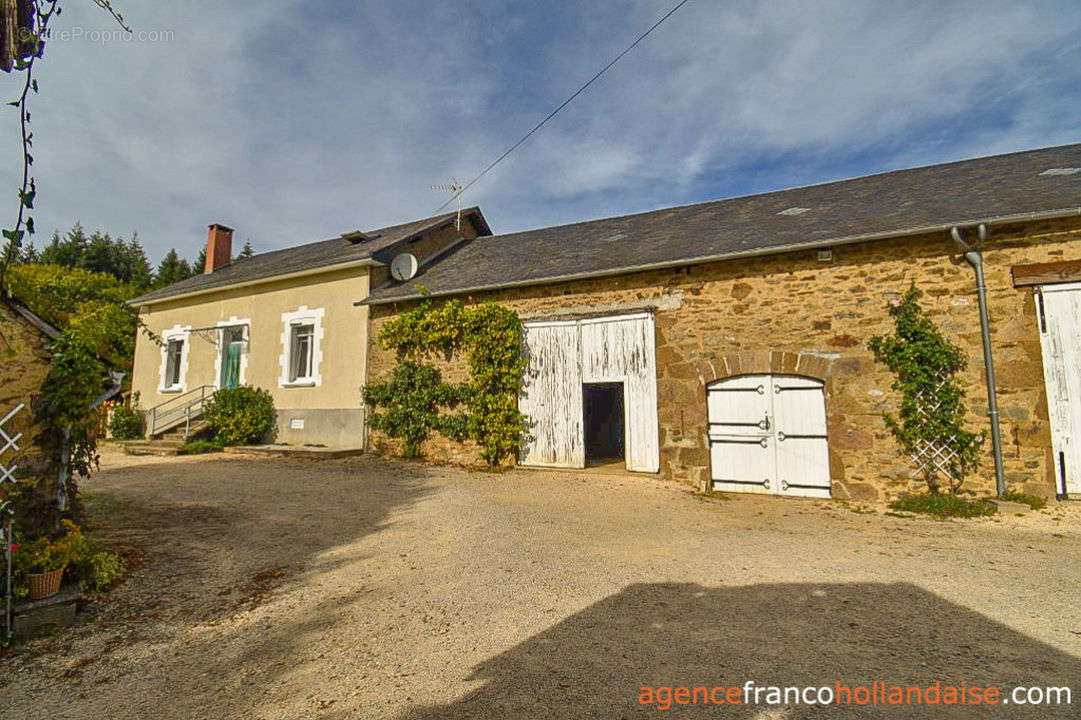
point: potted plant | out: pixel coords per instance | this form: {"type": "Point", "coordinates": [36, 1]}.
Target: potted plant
{"type": "Point", "coordinates": [40, 564]}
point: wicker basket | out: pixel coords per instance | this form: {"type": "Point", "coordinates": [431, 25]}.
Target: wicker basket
{"type": "Point", "coordinates": [42, 585]}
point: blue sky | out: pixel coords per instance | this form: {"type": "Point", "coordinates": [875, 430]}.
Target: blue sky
{"type": "Point", "coordinates": [299, 119]}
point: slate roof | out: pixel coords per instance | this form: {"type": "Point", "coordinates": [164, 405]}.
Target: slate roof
{"type": "Point", "coordinates": [877, 206]}
{"type": "Point", "coordinates": [311, 256]}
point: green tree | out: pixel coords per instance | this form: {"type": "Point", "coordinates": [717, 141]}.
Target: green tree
{"type": "Point", "coordinates": [246, 251]}
{"type": "Point", "coordinates": [29, 253]}
{"type": "Point", "coordinates": [172, 269]}
{"type": "Point", "coordinates": [66, 250]}
{"type": "Point", "coordinates": [930, 423]}
{"type": "Point", "coordinates": [101, 253]}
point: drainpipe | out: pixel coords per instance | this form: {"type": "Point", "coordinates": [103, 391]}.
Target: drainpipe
{"type": "Point", "coordinates": [974, 257]}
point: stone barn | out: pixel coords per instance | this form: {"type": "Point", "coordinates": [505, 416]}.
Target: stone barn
{"type": "Point", "coordinates": [25, 341]}
{"type": "Point", "coordinates": [725, 344]}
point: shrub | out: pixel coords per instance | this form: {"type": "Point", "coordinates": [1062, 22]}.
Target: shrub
{"type": "Point", "coordinates": [125, 423]}
{"type": "Point", "coordinates": [98, 570]}
{"type": "Point", "coordinates": [1033, 501]}
{"type": "Point", "coordinates": [943, 505]}
{"type": "Point", "coordinates": [240, 416]}
{"type": "Point", "coordinates": [200, 447]}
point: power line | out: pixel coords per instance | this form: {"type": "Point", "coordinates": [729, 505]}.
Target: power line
{"type": "Point", "coordinates": [564, 104]}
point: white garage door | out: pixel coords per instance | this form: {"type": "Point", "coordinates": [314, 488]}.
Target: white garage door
{"type": "Point", "coordinates": [1060, 340]}
{"type": "Point", "coordinates": [767, 434]}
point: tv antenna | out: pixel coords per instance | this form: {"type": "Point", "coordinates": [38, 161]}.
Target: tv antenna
{"type": "Point", "coordinates": [456, 190]}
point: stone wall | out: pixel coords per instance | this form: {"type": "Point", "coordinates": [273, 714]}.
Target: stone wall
{"type": "Point", "coordinates": [24, 363]}
{"type": "Point", "coordinates": [796, 314]}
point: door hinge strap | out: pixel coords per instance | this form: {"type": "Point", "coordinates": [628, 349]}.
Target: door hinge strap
{"type": "Point", "coordinates": [763, 483]}
{"type": "Point", "coordinates": [782, 436]}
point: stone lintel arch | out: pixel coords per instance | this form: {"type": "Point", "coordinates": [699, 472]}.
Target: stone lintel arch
{"type": "Point", "coordinates": [810, 364]}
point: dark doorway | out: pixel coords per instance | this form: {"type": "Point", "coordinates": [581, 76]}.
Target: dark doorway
{"type": "Point", "coordinates": [603, 406]}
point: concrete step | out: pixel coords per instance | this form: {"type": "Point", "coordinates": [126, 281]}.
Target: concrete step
{"type": "Point", "coordinates": [177, 433]}
{"type": "Point", "coordinates": [296, 451]}
{"type": "Point", "coordinates": [153, 447]}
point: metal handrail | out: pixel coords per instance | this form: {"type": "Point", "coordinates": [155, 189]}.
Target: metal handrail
{"type": "Point", "coordinates": [162, 417]}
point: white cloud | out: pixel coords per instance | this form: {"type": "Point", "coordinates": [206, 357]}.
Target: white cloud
{"type": "Point", "coordinates": [297, 120]}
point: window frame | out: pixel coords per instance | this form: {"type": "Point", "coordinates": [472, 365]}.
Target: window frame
{"type": "Point", "coordinates": [302, 317]}
{"type": "Point", "coordinates": [233, 323]}
{"type": "Point", "coordinates": [176, 334]}
{"type": "Point", "coordinates": [301, 333]}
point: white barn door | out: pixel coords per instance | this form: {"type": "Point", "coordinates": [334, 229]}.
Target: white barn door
{"type": "Point", "coordinates": [556, 434]}
{"type": "Point", "coordinates": [741, 439]}
{"type": "Point", "coordinates": [767, 434]}
{"type": "Point", "coordinates": [622, 350]}
{"type": "Point", "coordinates": [1060, 342]}
{"type": "Point", "coordinates": [803, 458]}
{"type": "Point", "coordinates": [565, 354]}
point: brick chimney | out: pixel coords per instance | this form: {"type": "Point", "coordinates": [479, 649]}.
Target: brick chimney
{"type": "Point", "coordinates": [219, 247]}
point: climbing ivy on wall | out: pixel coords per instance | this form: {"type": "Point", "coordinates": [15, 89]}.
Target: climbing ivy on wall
{"type": "Point", "coordinates": [491, 338]}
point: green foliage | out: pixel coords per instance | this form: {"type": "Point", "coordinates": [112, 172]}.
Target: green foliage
{"type": "Point", "coordinates": [95, 567]}
{"type": "Point", "coordinates": [413, 397]}
{"type": "Point", "coordinates": [91, 305]}
{"type": "Point", "coordinates": [1033, 501]}
{"type": "Point", "coordinates": [57, 293]}
{"type": "Point", "coordinates": [125, 423]}
{"type": "Point", "coordinates": [173, 269]}
{"type": "Point", "coordinates": [245, 252]}
{"type": "Point", "coordinates": [99, 570]}
{"type": "Point", "coordinates": [76, 377]}
{"type": "Point", "coordinates": [124, 260]}
{"type": "Point", "coordinates": [240, 416]}
{"type": "Point", "coordinates": [45, 555]}
{"type": "Point", "coordinates": [926, 365]}
{"type": "Point", "coordinates": [97, 334]}
{"type": "Point", "coordinates": [944, 505]}
{"type": "Point", "coordinates": [200, 447]}
{"type": "Point", "coordinates": [491, 338]}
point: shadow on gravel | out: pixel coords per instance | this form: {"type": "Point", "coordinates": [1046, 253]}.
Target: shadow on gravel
{"type": "Point", "coordinates": [594, 663]}
{"type": "Point", "coordinates": [222, 534]}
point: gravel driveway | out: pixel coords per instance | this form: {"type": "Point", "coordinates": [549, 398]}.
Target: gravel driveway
{"type": "Point", "coordinates": [368, 588]}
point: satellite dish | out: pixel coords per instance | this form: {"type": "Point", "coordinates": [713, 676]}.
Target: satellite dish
{"type": "Point", "coordinates": [403, 266]}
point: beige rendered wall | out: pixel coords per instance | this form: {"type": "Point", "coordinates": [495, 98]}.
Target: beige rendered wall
{"type": "Point", "coordinates": [342, 368]}
{"type": "Point", "coordinates": [332, 411]}
{"type": "Point", "coordinates": [792, 313]}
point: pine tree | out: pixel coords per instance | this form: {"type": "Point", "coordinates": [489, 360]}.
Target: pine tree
{"type": "Point", "coordinates": [246, 252]}
{"type": "Point", "coordinates": [100, 252]}
{"type": "Point", "coordinates": [29, 253]}
{"type": "Point", "coordinates": [172, 269]}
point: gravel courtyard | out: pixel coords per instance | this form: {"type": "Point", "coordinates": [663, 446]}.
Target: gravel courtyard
{"type": "Point", "coordinates": [369, 588]}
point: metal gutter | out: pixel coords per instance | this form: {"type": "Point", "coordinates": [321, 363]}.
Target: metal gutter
{"type": "Point", "coordinates": [974, 257]}
{"type": "Point", "coordinates": [364, 262]}
{"type": "Point", "coordinates": [834, 242]}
